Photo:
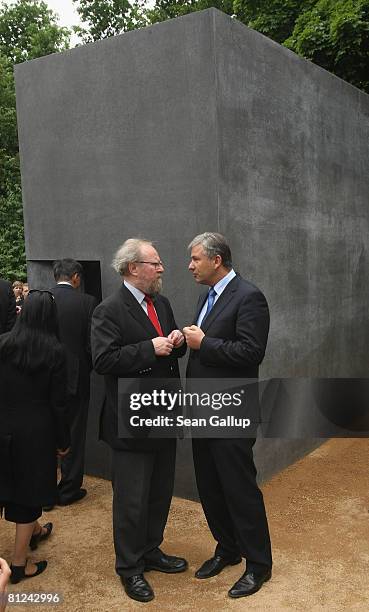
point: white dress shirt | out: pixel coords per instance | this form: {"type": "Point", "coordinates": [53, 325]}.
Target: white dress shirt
{"type": "Point", "coordinates": [218, 288]}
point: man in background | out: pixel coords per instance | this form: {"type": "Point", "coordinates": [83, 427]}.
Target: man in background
{"type": "Point", "coordinates": [74, 316]}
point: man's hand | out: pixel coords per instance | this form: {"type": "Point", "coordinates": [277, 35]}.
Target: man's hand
{"type": "Point", "coordinates": [162, 346]}
{"type": "Point", "coordinates": [194, 336]}
{"type": "Point", "coordinates": [176, 337]}
{"type": "Point", "coordinates": [62, 453]}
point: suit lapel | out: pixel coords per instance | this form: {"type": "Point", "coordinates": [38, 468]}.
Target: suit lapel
{"type": "Point", "coordinates": [137, 311]}
{"type": "Point", "coordinates": [139, 314]}
{"type": "Point", "coordinates": [220, 304]}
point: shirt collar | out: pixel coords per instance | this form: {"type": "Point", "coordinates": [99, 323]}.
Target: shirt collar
{"type": "Point", "coordinates": [221, 285]}
{"type": "Point", "coordinates": [137, 293]}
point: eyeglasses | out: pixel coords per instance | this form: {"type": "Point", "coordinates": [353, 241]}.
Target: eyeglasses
{"type": "Point", "coordinates": [41, 291]}
{"type": "Point", "coordinates": [156, 264]}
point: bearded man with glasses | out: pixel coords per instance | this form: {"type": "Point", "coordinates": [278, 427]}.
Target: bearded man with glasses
{"type": "Point", "coordinates": [134, 336]}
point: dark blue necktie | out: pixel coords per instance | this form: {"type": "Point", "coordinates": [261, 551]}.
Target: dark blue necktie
{"type": "Point", "coordinates": [211, 297]}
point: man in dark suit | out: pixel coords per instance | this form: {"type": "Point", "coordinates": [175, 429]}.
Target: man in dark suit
{"type": "Point", "coordinates": [134, 336]}
{"type": "Point", "coordinates": [7, 307]}
{"type": "Point", "coordinates": [228, 340]}
{"type": "Point", "coordinates": [74, 316]}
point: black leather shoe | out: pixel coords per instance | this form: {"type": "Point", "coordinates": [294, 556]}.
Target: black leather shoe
{"type": "Point", "coordinates": [167, 564]}
{"type": "Point", "coordinates": [137, 588]}
{"type": "Point", "coordinates": [213, 566]}
{"type": "Point", "coordinates": [74, 498]}
{"type": "Point", "coordinates": [249, 583]}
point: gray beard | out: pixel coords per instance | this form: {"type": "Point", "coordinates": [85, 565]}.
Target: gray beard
{"type": "Point", "coordinates": [155, 287]}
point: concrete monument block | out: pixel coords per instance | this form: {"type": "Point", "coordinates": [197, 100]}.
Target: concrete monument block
{"type": "Point", "coordinates": [201, 124]}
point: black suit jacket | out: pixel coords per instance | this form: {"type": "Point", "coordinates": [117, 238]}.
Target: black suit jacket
{"type": "Point", "coordinates": [121, 348]}
{"type": "Point", "coordinates": [8, 311]}
{"type": "Point", "coordinates": [74, 316]}
{"type": "Point", "coordinates": [236, 334]}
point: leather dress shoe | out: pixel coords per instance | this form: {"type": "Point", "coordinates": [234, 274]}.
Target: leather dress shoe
{"type": "Point", "coordinates": [80, 494]}
{"type": "Point", "coordinates": [249, 583]}
{"type": "Point", "coordinates": [137, 587]}
{"type": "Point", "coordinates": [213, 566]}
{"type": "Point", "coordinates": [167, 564]}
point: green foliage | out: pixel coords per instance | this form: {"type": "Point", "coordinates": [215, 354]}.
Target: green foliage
{"type": "Point", "coordinates": [335, 35]}
{"type": "Point", "coordinates": [274, 18]}
{"type": "Point", "coordinates": [106, 18]}
{"type": "Point", "coordinates": [168, 9]}
{"type": "Point", "coordinates": [9, 166]}
{"type": "Point", "coordinates": [12, 256]}
{"type": "Point", "coordinates": [28, 29]}
{"type": "Point", "coordinates": [12, 253]}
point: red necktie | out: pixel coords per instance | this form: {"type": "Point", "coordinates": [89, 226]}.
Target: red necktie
{"type": "Point", "coordinates": [151, 313]}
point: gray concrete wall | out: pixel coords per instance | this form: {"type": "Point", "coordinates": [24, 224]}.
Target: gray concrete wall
{"type": "Point", "coordinates": [293, 190]}
{"type": "Point", "coordinates": [201, 124]}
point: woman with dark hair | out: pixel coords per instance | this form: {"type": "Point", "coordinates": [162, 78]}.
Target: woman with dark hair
{"type": "Point", "coordinates": [33, 429]}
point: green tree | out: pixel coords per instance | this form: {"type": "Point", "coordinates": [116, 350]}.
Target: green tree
{"type": "Point", "coordinates": [335, 35]}
{"type": "Point", "coordinates": [168, 9]}
{"type": "Point", "coordinates": [274, 18]}
{"type": "Point", "coordinates": [28, 29]}
{"type": "Point", "coordinates": [12, 256]}
{"type": "Point", "coordinates": [104, 18]}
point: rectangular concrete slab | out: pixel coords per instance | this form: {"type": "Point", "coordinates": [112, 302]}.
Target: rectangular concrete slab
{"type": "Point", "coordinates": [201, 124]}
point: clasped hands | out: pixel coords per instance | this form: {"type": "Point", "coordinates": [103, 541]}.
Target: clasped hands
{"type": "Point", "coordinates": [193, 334]}
{"type": "Point", "coordinates": [163, 345]}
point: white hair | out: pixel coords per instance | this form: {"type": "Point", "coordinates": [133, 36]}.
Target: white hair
{"type": "Point", "coordinates": [127, 253]}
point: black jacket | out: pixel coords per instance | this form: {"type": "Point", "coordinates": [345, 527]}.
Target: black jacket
{"type": "Point", "coordinates": [74, 316]}
{"type": "Point", "coordinates": [236, 334]}
{"type": "Point", "coordinates": [122, 348]}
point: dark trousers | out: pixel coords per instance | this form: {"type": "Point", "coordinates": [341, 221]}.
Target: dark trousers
{"type": "Point", "coordinates": [232, 501]}
{"type": "Point", "coordinates": [73, 464]}
{"type": "Point", "coordinates": [142, 492]}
